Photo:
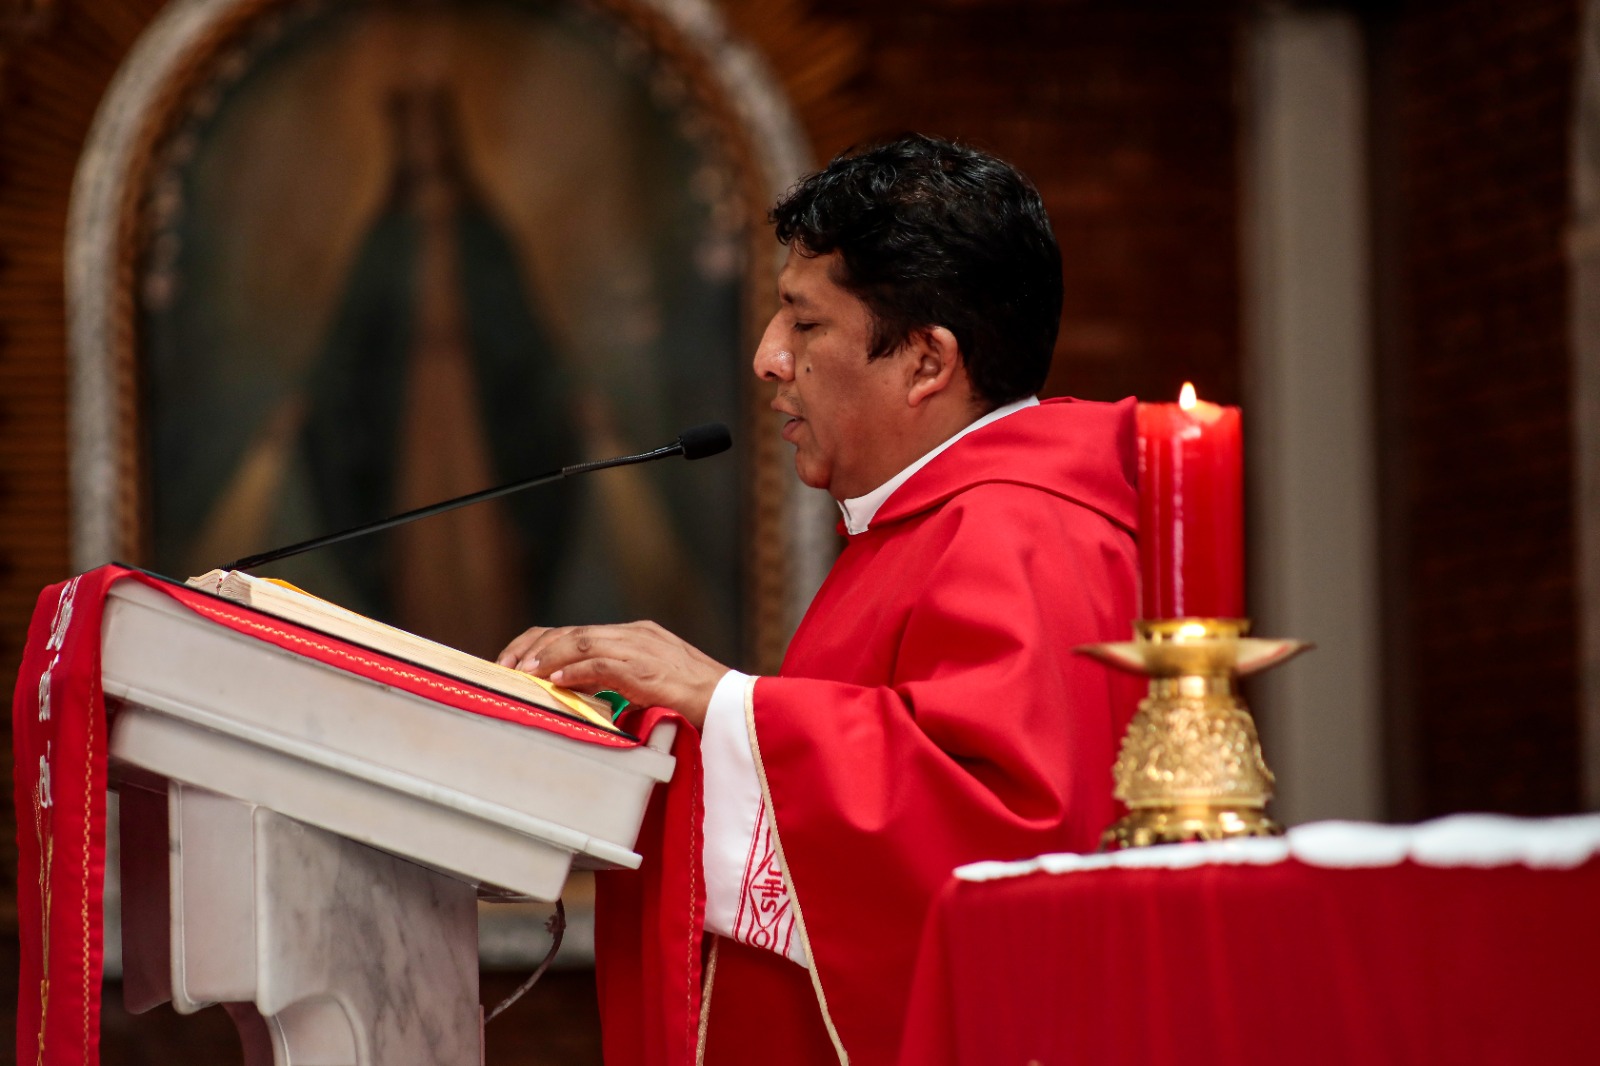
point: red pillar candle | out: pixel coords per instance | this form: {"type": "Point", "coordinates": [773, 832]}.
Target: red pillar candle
{"type": "Point", "coordinates": [1191, 509]}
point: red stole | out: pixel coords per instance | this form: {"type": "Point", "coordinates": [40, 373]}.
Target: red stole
{"type": "Point", "coordinates": [59, 745]}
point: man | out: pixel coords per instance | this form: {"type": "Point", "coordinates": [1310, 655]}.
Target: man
{"type": "Point", "coordinates": [930, 711]}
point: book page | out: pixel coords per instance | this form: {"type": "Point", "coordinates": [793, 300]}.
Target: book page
{"type": "Point", "coordinates": [293, 604]}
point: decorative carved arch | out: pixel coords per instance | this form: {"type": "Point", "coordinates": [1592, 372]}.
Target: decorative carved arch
{"type": "Point", "coordinates": [184, 51]}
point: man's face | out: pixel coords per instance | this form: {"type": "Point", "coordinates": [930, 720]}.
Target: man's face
{"type": "Point", "coordinates": [844, 412]}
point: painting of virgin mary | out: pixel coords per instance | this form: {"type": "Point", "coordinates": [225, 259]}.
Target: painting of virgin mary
{"type": "Point", "coordinates": [406, 253]}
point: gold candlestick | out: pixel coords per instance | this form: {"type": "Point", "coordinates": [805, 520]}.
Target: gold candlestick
{"type": "Point", "coordinates": [1190, 767]}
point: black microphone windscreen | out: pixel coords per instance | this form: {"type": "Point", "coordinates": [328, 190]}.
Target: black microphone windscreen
{"type": "Point", "coordinates": [701, 441]}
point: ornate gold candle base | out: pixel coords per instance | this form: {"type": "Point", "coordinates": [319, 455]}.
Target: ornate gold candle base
{"type": "Point", "coordinates": [1190, 766]}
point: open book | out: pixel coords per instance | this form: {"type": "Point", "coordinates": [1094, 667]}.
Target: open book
{"type": "Point", "coordinates": [283, 600]}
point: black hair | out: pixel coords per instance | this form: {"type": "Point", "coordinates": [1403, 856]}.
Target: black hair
{"type": "Point", "coordinates": [933, 233]}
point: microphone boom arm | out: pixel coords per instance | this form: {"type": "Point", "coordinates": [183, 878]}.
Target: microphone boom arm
{"type": "Point", "coordinates": [251, 561]}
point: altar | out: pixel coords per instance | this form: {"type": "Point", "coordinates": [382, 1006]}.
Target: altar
{"type": "Point", "coordinates": [1471, 939]}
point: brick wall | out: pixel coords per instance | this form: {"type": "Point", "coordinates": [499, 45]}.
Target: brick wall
{"type": "Point", "coordinates": [1477, 404]}
{"type": "Point", "coordinates": [1123, 113]}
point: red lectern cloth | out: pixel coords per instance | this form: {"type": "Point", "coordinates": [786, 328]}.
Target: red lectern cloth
{"type": "Point", "coordinates": [59, 732]}
{"type": "Point", "coordinates": [649, 921]}
{"type": "Point", "coordinates": [1243, 965]}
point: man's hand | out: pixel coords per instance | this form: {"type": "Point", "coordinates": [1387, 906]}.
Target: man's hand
{"type": "Point", "coordinates": [644, 662]}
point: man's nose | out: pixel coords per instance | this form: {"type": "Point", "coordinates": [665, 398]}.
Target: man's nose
{"type": "Point", "coordinates": [772, 361]}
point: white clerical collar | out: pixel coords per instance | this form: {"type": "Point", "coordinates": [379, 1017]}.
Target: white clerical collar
{"type": "Point", "coordinates": [860, 510]}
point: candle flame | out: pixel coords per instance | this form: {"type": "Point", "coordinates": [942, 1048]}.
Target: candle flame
{"type": "Point", "coordinates": [1186, 396]}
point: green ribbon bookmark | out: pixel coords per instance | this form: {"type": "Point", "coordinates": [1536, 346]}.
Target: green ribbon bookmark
{"type": "Point", "coordinates": [618, 702]}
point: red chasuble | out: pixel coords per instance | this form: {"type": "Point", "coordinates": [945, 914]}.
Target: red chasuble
{"type": "Point", "coordinates": [930, 712]}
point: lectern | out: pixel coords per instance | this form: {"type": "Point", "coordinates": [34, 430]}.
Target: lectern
{"type": "Point", "coordinates": [305, 845]}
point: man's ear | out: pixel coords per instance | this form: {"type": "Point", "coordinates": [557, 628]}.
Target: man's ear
{"type": "Point", "coordinates": [936, 364]}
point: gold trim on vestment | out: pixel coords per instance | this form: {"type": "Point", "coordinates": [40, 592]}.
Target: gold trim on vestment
{"type": "Point", "coordinates": [794, 893]}
{"type": "Point", "coordinates": [705, 1001]}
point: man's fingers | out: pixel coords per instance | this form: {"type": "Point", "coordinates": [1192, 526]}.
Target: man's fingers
{"type": "Point", "coordinates": [532, 652]}
{"type": "Point", "coordinates": [546, 646]}
{"type": "Point", "coordinates": [560, 648]}
{"type": "Point", "coordinates": [592, 675]}
{"type": "Point", "coordinates": [518, 649]}
{"type": "Point", "coordinates": [641, 660]}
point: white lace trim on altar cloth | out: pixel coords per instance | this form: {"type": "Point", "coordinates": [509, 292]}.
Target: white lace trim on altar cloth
{"type": "Point", "coordinates": [747, 895]}
{"type": "Point", "coordinates": [1474, 840]}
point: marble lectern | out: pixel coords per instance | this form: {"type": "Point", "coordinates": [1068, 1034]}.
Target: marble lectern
{"type": "Point", "coordinates": [306, 846]}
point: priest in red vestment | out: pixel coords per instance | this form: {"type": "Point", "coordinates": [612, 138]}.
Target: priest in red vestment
{"type": "Point", "coordinates": [929, 711]}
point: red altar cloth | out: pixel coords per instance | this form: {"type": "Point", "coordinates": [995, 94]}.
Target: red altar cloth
{"type": "Point", "coordinates": [59, 742]}
{"type": "Point", "coordinates": [1280, 963]}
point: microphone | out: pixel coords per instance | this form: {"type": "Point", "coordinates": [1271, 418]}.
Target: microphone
{"type": "Point", "coordinates": [696, 442]}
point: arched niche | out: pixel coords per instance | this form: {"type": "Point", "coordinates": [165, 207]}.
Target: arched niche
{"type": "Point", "coordinates": [196, 58]}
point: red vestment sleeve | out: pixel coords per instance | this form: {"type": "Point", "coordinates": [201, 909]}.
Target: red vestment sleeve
{"type": "Point", "coordinates": [936, 716]}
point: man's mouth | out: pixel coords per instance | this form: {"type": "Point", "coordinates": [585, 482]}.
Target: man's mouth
{"type": "Point", "coordinates": [791, 420]}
